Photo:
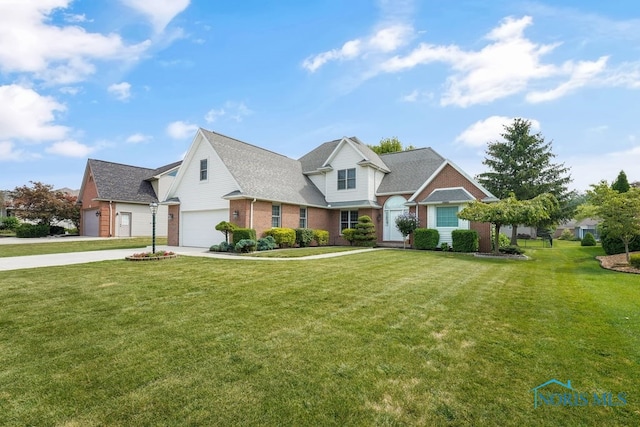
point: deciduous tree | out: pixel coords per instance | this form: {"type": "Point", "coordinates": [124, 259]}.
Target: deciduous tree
{"type": "Point", "coordinates": [40, 203]}
{"type": "Point", "coordinates": [522, 164]}
{"type": "Point", "coordinates": [389, 145]}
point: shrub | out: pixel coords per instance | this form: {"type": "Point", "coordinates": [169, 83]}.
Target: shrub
{"type": "Point", "coordinates": [588, 240]}
{"type": "Point", "coordinates": [566, 235]}
{"type": "Point", "coordinates": [445, 247]}
{"type": "Point", "coordinates": [285, 237]}
{"type": "Point", "coordinates": [31, 230]}
{"type": "Point", "coordinates": [407, 223]}
{"type": "Point", "coordinates": [242, 234]}
{"type": "Point", "coordinates": [214, 248]}
{"type": "Point", "coordinates": [56, 230]}
{"type": "Point", "coordinates": [226, 247]}
{"type": "Point", "coordinates": [634, 260]}
{"type": "Point", "coordinates": [321, 237]}
{"type": "Point", "coordinates": [426, 238]}
{"type": "Point", "coordinates": [266, 243]}
{"type": "Point", "coordinates": [304, 236]}
{"type": "Point", "coordinates": [511, 250]}
{"type": "Point", "coordinates": [503, 240]}
{"type": "Point", "coordinates": [614, 246]}
{"type": "Point", "coordinates": [348, 234]}
{"type": "Point", "coordinates": [365, 234]}
{"type": "Point", "coordinates": [246, 245]}
{"type": "Point", "coordinates": [9, 223]}
{"type": "Point", "coordinates": [226, 227]}
{"type": "Point", "coordinates": [465, 240]}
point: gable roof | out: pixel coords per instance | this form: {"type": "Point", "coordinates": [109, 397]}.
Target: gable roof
{"type": "Point", "coordinates": [448, 195]}
{"type": "Point", "coordinates": [123, 183]}
{"type": "Point", "coordinates": [321, 156]}
{"type": "Point", "coordinates": [263, 174]}
{"type": "Point", "coordinates": [165, 168]}
{"type": "Point", "coordinates": [409, 170]}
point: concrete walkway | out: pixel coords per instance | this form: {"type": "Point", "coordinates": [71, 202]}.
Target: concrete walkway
{"type": "Point", "coordinates": [51, 260]}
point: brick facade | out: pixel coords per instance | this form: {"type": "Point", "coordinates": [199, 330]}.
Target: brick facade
{"type": "Point", "coordinates": [173, 227]}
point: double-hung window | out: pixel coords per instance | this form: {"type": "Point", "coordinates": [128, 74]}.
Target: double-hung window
{"type": "Point", "coordinates": [346, 179]}
{"type": "Point", "coordinates": [348, 219]}
{"type": "Point", "coordinates": [203, 169]}
{"type": "Point", "coordinates": [303, 217]}
{"type": "Point", "coordinates": [275, 216]}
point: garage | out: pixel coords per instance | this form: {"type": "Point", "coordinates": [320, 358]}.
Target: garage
{"type": "Point", "coordinates": [90, 223]}
{"type": "Point", "coordinates": [198, 228]}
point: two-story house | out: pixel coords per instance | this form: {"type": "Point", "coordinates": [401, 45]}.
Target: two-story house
{"type": "Point", "coordinates": [222, 178]}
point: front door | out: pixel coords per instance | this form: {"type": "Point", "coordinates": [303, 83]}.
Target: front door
{"type": "Point", "coordinates": [125, 224]}
{"type": "Point", "coordinates": [393, 207]}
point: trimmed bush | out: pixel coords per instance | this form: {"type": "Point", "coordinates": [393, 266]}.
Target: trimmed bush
{"type": "Point", "coordinates": [214, 248]}
{"type": "Point", "coordinates": [566, 235]}
{"type": "Point", "coordinates": [246, 246]}
{"type": "Point", "coordinates": [634, 260]}
{"type": "Point", "coordinates": [348, 234]}
{"type": "Point", "coordinates": [222, 247]}
{"type": "Point", "coordinates": [226, 227]}
{"type": "Point", "coordinates": [56, 230]}
{"type": "Point", "coordinates": [266, 243]}
{"type": "Point", "coordinates": [503, 240]}
{"type": "Point", "coordinates": [321, 237]}
{"type": "Point", "coordinates": [588, 240]}
{"type": "Point", "coordinates": [242, 234]}
{"type": "Point", "coordinates": [284, 237]}
{"type": "Point", "coordinates": [31, 230]}
{"type": "Point", "coordinates": [365, 234]}
{"type": "Point", "coordinates": [9, 223]}
{"type": "Point", "coordinates": [445, 247]}
{"type": "Point", "coordinates": [426, 238]}
{"type": "Point", "coordinates": [304, 236]}
{"type": "Point", "coordinates": [511, 250]}
{"type": "Point", "coordinates": [614, 246]}
{"type": "Point", "coordinates": [465, 240]}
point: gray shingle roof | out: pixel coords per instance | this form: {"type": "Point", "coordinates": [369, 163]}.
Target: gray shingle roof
{"type": "Point", "coordinates": [448, 195]}
{"type": "Point", "coordinates": [409, 170]}
{"type": "Point", "coordinates": [124, 183]}
{"type": "Point", "coordinates": [164, 168]}
{"type": "Point", "coordinates": [316, 158]}
{"type": "Point", "coordinates": [264, 174]}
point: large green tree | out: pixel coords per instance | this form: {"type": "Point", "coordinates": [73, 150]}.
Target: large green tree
{"type": "Point", "coordinates": [619, 212]}
{"type": "Point", "coordinates": [389, 145]}
{"type": "Point", "coordinates": [522, 164]}
{"type": "Point", "coordinates": [621, 184]}
{"type": "Point", "coordinates": [510, 211]}
{"type": "Point", "coordinates": [40, 203]}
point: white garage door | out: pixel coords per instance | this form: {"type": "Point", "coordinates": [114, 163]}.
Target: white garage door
{"type": "Point", "coordinates": [199, 228]}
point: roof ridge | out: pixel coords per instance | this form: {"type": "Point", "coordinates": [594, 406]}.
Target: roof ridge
{"type": "Point", "coordinates": [122, 164]}
{"type": "Point", "coordinates": [247, 143]}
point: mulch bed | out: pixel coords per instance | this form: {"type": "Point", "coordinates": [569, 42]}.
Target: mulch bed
{"type": "Point", "coordinates": [617, 262]}
{"type": "Point", "coordinates": [150, 258]}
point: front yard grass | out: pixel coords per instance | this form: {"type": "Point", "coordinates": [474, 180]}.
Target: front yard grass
{"type": "Point", "coordinates": [302, 252]}
{"type": "Point", "coordinates": [377, 338]}
{"type": "Point", "coordinates": [22, 249]}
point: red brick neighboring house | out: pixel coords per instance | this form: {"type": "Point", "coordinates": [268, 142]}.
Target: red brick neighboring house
{"type": "Point", "coordinates": [222, 178]}
{"type": "Point", "coordinates": [114, 199]}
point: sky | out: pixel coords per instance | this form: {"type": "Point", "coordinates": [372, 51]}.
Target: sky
{"type": "Point", "coordinates": [131, 81]}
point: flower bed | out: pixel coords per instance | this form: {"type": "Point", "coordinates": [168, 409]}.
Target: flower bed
{"type": "Point", "coordinates": [151, 256]}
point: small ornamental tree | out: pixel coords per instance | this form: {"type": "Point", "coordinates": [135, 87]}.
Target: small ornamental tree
{"type": "Point", "coordinates": [226, 227]}
{"type": "Point", "coordinates": [621, 184]}
{"type": "Point", "coordinates": [406, 224]}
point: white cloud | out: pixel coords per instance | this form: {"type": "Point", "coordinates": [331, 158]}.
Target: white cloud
{"type": "Point", "coordinates": [384, 40]}
{"type": "Point", "coordinates": [416, 96]}
{"type": "Point", "coordinates": [76, 18]}
{"type": "Point", "coordinates": [488, 130]}
{"type": "Point", "coordinates": [70, 90]}
{"type": "Point", "coordinates": [181, 130]}
{"type": "Point", "coordinates": [236, 111]}
{"type": "Point", "coordinates": [55, 54]}
{"type": "Point", "coordinates": [591, 168]}
{"type": "Point", "coordinates": [70, 148]}
{"type": "Point", "coordinates": [159, 12]}
{"type": "Point", "coordinates": [122, 91]}
{"type": "Point", "coordinates": [138, 138]}
{"type": "Point", "coordinates": [8, 153]}
{"type": "Point", "coordinates": [25, 114]}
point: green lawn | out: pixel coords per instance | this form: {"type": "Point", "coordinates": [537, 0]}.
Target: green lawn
{"type": "Point", "coordinates": [377, 338]}
{"type": "Point", "coordinates": [302, 252]}
{"type": "Point", "coordinates": [22, 249]}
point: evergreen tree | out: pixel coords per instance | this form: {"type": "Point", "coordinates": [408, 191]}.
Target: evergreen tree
{"type": "Point", "coordinates": [621, 184]}
{"type": "Point", "coordinates": [365, 232]}
{"type": "Point", "coordinates": [522, 165]}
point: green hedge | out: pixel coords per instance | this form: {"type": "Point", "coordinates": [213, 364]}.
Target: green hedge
{"type": "Point", "coordinates": [321, 237]}
{"type": "Point", "coordinates": [613, 246]}
{"type": "Point", "coordinates": [285, 237]}
{"type": "Point", "coordinates": [465, 240]}
{"type": "Point", "coordinates": [242, 234]}
{"type": "Point", "coordinates": [304, 236]}
{"type": "Point", "coordinates": [31, 230]}
{"type": "Point", "coordinates": [426, 238]}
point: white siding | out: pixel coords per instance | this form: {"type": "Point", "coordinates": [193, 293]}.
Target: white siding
{"type": "Point", "coordinates": [445, 232]}
{"type": "Point", "coordinates": [320, 182]}
{"type": "Point", "coordinates": [348, 158]}
{"type": "Point", "coordinates": [141, 219]}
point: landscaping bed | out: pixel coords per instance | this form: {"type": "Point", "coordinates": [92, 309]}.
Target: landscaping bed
{"type": "Point", "coordinates": [617, 262]}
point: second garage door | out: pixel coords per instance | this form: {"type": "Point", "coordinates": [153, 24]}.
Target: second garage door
{"type": "Point", "coordinates": [199, 227]}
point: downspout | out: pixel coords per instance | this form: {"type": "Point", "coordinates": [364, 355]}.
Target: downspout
{"type": "Point", "coordinates": [251, 214]}
{"type": "Point", "coordinates": [110, 216]}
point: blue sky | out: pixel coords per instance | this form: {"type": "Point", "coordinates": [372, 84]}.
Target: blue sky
{"type": "Point", "coordinates": [130, 81]}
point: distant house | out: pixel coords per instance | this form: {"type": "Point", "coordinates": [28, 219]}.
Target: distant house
{"type": "Point", "coordinates": [579, 228]}
{"type": "Point", "coordinates": [115, 198]}
{"type": "Point", "coordinates": [222, 178]}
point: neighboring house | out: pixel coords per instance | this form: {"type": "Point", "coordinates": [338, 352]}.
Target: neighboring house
{"type": "Point", "coordinates": [525, 230]}
{"type": "Point", "coordinates": [115, 198]}
{"type": "Point", "coordinates": [579, 228]}
{"type": "Point", "coordinates": [224, 179]}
